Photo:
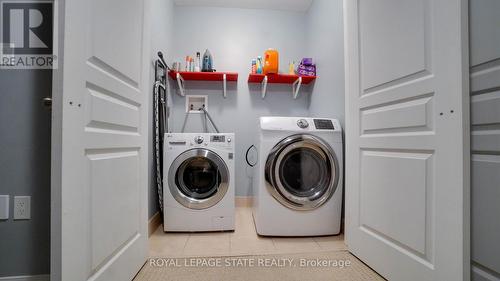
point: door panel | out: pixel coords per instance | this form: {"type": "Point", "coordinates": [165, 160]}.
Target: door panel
{"type": "Point", "coordinates": [406, 127]}
{"type": "Point", "coordinates": [403, 52]}
{"type": "Point", "coordinates": [485, 150]}
{"type": "Point", "coordinates": [103, 78]}
{"type": "Point", "coordinates": [405, 192]}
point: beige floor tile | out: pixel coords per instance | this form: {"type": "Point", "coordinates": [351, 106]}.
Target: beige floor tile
{"type": "Point", "coordinates": [163, 244]}
{"type": "Point", "coordinates": [331, 243]}
{"type": "Point", "coordinates": [295, 245]}
{"type": "Point", "coordinates": [244, 222]}
{"type": "Point", "coordinates": [245, 245]}
{"type": "Point", "coordinates": [207, 244]}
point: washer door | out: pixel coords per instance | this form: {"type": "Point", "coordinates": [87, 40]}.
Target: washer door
{"type": "Point", "coordinates": [198, 178]}
{"type": "Point", "coordinates": [302, 172]}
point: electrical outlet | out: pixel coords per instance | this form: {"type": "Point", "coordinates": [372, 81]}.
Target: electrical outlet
{"type": "Point", "coordinates": [22, 209]}
{"type": "Point", "coordinates": [4, 207]}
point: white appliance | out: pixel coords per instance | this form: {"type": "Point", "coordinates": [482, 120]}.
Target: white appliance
{"type": "Point", "coordinates": [298, 178]}
{"type": "Point", "coordinates": [199, 181]}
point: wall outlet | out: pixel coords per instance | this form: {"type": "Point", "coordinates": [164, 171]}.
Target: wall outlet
{"type": "Point", "coordinates": [22, 208]}
{"type": "Point", "coordinates": [4, 207]}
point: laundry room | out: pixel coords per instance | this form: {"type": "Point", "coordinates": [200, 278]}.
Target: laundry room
{"type": "Point", "coordinates": [254, 103]}
{"type": "Point", "coordinates": [234, 37]}
{"type": "Point", "coordinates": [249, 140]}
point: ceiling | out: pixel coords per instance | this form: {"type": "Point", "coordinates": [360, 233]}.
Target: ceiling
{"type": "Point", "coordinates": [286, 5]}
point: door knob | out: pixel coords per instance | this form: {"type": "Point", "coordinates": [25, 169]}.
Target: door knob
{"type": "Point", "coordinates": [47, 102]}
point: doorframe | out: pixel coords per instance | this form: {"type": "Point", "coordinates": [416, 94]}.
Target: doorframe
{"type": "Point", "coordinates": [57, 129]}
{"type": "Point", "coordinates": [466, 178]}
{"type": "Point", "coordinates": [56, 146]}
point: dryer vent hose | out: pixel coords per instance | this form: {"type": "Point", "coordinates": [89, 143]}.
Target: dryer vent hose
{"type": "Point", "coordinates": [246, 156]}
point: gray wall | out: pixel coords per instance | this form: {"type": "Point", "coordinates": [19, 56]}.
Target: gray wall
{"type": "Point", "coordinates": [325, 43]}
{"type": "Point", "coordinates": [25, 170]}
{"type": "Point", "coordinates": [485, 119]}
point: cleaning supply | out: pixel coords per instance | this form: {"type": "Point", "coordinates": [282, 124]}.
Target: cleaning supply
{"type": "Point", "coordinates": [187, 64]}
{"type": "Point", "coordinates": [271, 61]}
{"type": "Point", "coordinates": [207, 62]}
{"type": "Point", "coordinates": [291, 68]}
{"type": "Point", "coordinates": [197, 66]}
{"type": "Point", "coordinates": [306, 67]}
{"type": "Point", "coordinates": [254, 66]}
{"type": "Point", "coordinates": [191, 64]}
{"type": "Point", "coordinates": [259, 65]}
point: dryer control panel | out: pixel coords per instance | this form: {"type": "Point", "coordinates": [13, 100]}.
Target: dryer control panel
{"type": "Point", "coordinates": [324, 124]}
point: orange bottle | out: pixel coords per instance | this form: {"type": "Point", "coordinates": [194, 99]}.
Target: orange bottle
{"type": "Point", "coordinates": [271, 61]}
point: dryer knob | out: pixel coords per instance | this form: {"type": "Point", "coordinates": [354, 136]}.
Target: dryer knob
{"type": "Point", "coordinates": [198, 139]}
{"type": "Point", "coordinates": [302, 123]}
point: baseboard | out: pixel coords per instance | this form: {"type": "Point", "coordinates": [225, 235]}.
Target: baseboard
{"type": "Point", "coordinates": [244, 201]}
{"type": "Point", "coordinates": [26, 278]}
{"type": "Point", "coordinates": [153, 223]}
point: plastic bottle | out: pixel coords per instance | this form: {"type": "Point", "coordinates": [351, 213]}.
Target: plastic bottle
{"type": "Point", "coordinates": [259, 65]}
{"type": "Point", "coordinates": [291, 68]}
{"type": "Point", "coordinates": [271, 61]}
{"type": "Point", "coordinates": [207, 62]}
{"type": "Point", "coordinates": [254, 66]}
{"type": "Point", "coordinates": [197, 66]}
{"type": "Point", "coordinates": [187, 64]}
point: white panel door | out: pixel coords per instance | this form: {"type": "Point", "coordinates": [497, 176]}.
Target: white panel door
{"type": "Point", "coordinates": [99, 191]}
{"type": "Point", "coordinates": [407, 170]}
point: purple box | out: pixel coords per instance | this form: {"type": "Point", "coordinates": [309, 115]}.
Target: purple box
{"type": "Point", "coordinates": [306, 70]}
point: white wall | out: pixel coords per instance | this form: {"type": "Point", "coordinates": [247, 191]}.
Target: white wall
{"type": "Point", "coordinates": [325, 43]}
{"type": "Point", "coordinates": [235, 36]}
{"type": "Point", "coordinates": [162, 15]}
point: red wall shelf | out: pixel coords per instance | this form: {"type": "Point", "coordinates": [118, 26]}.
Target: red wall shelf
{"type": "Point", "coordinates": [279, 78]}
{"type": "Point", "coordinates": [204, 76]}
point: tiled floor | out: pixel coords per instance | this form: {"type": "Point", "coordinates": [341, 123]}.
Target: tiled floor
{"type": "Point", "coordinates": [243, 241]}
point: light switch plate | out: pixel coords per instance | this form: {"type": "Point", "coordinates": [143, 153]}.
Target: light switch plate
{"type": "Point", "coordinates": [22, 208]}
{"type": "Point", "coordinates": [4, 207]}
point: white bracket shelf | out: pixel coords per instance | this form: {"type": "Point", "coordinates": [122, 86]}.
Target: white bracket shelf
{"type": "Point", "coordinates": [203, 76]}
{"type": "Point", "coordinates": [295, 87]}
{"type": "Point", "coordinates": [224, 86]}
{"type": "Point", "coordinates": [264, 87]}
{"type": "Point", "coordinates": [180, 83]}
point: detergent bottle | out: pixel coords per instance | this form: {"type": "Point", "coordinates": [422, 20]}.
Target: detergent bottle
{"type": "Point", "coordinates": [271, 61]}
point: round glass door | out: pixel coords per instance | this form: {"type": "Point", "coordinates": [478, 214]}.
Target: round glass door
{"type": "Point", "coordinates": [302, 172]}
{"type": "Point", "coordinates": [198, 179]}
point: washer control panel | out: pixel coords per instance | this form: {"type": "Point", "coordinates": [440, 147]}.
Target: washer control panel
{"type": "Point", "coordinates": [218, 138]}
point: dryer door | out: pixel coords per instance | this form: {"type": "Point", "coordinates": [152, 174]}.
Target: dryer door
{"type": "Point", "coordinates": [198, 178]}
{"type": "Point", "coordinates": [302, 172]}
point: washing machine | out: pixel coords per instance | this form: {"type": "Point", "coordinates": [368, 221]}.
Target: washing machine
{"type": "Point", "coordinates": [199, 189]}
{"type": "Point", "coordinates": [298, 177]}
